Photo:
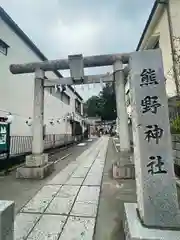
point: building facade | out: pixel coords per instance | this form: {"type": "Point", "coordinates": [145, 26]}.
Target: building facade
{"type": "Point", "coordinates": [17, 91]}
{"type": "Point", "coordinates": [162, 31]}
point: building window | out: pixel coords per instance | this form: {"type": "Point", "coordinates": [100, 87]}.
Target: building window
{"type": "Point", "coordinates": [78, 106]}
{"type": "Point", "coordinates": [128, 100]}
{"type": "Point", "coordinates": [3, 47]}
{"type": "Point", "coordinates": [156, 45]}
{"type": "Point", "coordinates": [65, 98]}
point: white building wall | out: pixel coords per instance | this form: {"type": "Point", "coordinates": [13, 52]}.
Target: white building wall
{"type": "Point", "coordinates": [162, 29]}
{"type": "Point", "coordinates": [16, 91]}
{"type": "Point", "coordinates": [175, 16]}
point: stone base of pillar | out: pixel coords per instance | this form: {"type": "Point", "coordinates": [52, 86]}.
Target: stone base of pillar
{"type": "Point", "coordinates": [36, 160]}
{"type": "Point", "coordinates": [134, 230]}
{"type": "Point", "coordinates": [126, 171]}
{"type": "Point", "coordinates": [36, 167]}
{"type": "Point", "coordinates": [35, 172]}
{"type": "Point", "coordinates": [124, 168]}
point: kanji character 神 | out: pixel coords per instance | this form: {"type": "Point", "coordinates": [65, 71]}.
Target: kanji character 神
{"type": "Point", "coordinates": [154, 132]}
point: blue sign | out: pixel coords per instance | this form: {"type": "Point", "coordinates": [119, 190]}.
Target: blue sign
{"type": "Point", "coordinates": [4, 137]}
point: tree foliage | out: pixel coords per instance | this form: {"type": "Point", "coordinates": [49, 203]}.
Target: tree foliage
{"type": "Point", "coordinates": [176, 68]}
{"type": "Point", "coordinates": [103, 105]}
{"type": "Point", "coordinates": [175, 125]}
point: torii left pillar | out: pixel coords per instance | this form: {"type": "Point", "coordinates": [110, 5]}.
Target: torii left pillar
{"type": "Point", "coordinates": [36, 165]}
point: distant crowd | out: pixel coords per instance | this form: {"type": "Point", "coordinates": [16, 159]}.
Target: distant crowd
{"type": "Point", "coordinates": [99, 131]}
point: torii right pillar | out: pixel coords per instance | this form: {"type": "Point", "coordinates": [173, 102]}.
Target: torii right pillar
{"type": "Point", "coordinates": [124, 168]}
{"type": "Point", "coordinates": [121, 107]}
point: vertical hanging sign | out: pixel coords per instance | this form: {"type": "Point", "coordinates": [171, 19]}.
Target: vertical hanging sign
{"type": "Point", "coordinates": [4, 137]}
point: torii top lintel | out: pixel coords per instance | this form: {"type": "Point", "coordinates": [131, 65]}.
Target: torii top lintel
{"type": "Point", "coordinates": [63, 64]}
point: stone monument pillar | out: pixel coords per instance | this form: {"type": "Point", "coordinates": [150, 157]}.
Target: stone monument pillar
{"type": "Point", "coordinates": [156, 214]}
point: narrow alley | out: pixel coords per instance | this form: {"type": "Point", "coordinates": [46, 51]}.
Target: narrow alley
{"type": "Point", "coordinates": [66, 207]}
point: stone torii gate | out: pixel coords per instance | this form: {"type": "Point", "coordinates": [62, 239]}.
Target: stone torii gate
{"type": "Point", "coordinates": [156, 214]}
{"type": "Point", "coordinates": [76, 64]}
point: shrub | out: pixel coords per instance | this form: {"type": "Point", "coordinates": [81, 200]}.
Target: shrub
{"type": "Point", "coordinates": [175, 125]}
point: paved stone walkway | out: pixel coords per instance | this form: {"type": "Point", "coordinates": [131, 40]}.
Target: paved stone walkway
{"type": "Point", "coordinates": [66, 207]}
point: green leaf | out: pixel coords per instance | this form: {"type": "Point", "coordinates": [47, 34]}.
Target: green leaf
{"type": "Point", "coordinates": [104, 105]}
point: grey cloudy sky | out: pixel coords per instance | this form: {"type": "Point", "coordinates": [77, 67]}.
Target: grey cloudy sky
{"type": "Point", "coordinates": [63, 27]}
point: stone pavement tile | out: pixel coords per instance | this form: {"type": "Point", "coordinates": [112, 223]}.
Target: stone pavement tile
{"type": "Point", "coordinates": [85, 209]}
{"type": "Point", "coordinates": [23, 224]}
{"type": "Point", "coordinates": [64, 175]}
{"type": "Point", "coordinates": [41, 200]}
{"type": "Point", "coordinates": [59, 179]}
{"type": "Point", "coordinates": [98, 164]}
{"type": "Point", "coordinates": [88, 194]}
{"type": "Point", "coordinates": [75, 181]}
{"type": "Point", "coordinates": [87, 162]}
{"type": "Point", "coordinates": [78, 228]}
{"type": "Point", "coordinates": [70, 168]}
{"type": "Point", "coordinates": [92, 181]}
{"type": "Point", "coordinates": [83, 155]}
{"type": "Point", "coordinates": [80, 172]}
{"type": "Point", "coordinates": [60, 205]}
{"type": "Point", "coordinates": [95, 172]}
{"type": "Point", "coordinates": [48, 228]}
{"type": "Point", "coordinates": [64, 200]}
{"type": "Point", "coordinates": [87, 152]}
{"type": "Point", "coordinates": [68, 191]}
{"type": "Point", "coordinates": [87, 166]}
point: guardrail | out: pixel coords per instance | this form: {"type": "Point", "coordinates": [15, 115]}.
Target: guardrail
{"type": "Point", "coordinates": [23, 144]}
